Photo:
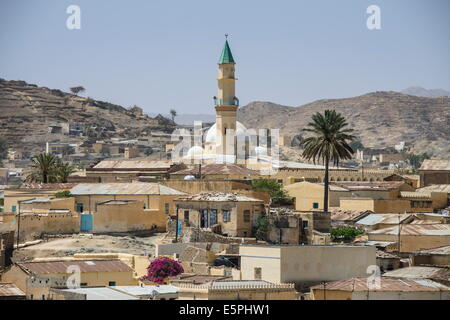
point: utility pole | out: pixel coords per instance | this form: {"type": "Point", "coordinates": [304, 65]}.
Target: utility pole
{"type": "Point", "coordinates": [18, 224]}
{"type": "Point", "coordinates": [176, 223]}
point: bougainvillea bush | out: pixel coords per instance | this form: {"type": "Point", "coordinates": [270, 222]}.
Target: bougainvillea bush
{"type": "Point", "coordinates": [160, 269]}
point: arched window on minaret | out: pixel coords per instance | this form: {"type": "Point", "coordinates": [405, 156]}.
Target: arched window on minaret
{"type": "Point", "coordinates": [235, 101]}
{"type": "Point", "coordinates": [215, 100]}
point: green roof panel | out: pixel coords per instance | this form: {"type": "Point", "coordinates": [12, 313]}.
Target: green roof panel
{"type": "Point", "coordinates": [226, 56]}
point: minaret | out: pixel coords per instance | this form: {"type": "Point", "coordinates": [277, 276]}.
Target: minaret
{"type": "Point", "coordinates": [226, 104]}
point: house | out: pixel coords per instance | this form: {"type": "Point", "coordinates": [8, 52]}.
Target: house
{"type": "Point", "coordinates": [343, 218]}
{"type": "Point", "coordinates": [439, 257]}
{"type": "Point", "coordinates": [442, 188]}
{"type": "Point", "coordinates": [31, 191]}
{"type": "Point", "coordinates": [39, 216]}
{"type": "Point", "coordinates": [386, 289]}
{"type": "Point", "coordinates": [434, 171]}
{"type": "Point", "coordinates": [387, 261]}
{"type": "Point", "coordinates": [36, 278]}
{"type": "Point", "coordinates": [236, 290]}
{"type": "Point", "coordinates": [411, 237]}
{"type": "Point", "coordinates": [441, 275]}
{"type": "Point", "coordinates": [309, 196]}
{"type": "Point", "coordinates": [380, 221]}
{"type": "Point", "coordinates": [304, 265]}
{"type": "Point", "coordinates": [234, 213]}
{"type": "Point", "coordinates": [223, 171]}
{"type": "Point", "coordinates": [9, 291]}
{"type": "Point", "coordinates": [129, 170]}
{"type": "Point", "coordinates": [91, 293]}
{"type": "Point", "coordinates": [150, 204]}
{"type": "Point", "coordinates": [156, 292]}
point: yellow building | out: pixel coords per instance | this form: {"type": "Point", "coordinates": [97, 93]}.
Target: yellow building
{"type": "Point", "coordinates": [304, 265]}
{"type": "Point", "coordinates": [385, 289]}
{"type": "Point", "coordinates": [36, 278]}
{"type": "Point", "coordinates": [412, 237]}
{"type": "Point", "coordinates": [236, 290]}
{"type": "Point", "coordinates": [234, 213]}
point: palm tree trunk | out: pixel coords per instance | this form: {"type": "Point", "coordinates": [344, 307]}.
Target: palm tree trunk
{"type": "Point", "coordinates": [326, 184]}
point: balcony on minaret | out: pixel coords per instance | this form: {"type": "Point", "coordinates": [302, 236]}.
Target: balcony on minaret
{"type": "Point", "coordinates": [220, 102]}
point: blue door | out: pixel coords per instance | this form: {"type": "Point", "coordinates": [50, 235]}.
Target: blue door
{"type": "Point", "coordinates": [86, 222]}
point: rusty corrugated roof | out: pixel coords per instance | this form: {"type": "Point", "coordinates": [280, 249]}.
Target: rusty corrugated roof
{"type": "Point", "coordinates": [378, 185]}
{"type": "Point", "coordinates": [416, 230]}
{"type": "Point", "coordinates": [84, 265]}
{"type": "Point", "coordinates": [10, 290]}
{"type": "Point", "coordinates": [218, 196]}
{"type": "Point", "coordinates": [116, 188]}
{"type": "Point", "coordinates": [133, 164]}
{"type": "Point", "coordinates": [218, 168]}
{"type": "Point", "coordinates": [435, 165]}
{"type": "Point", "coordinates": [386, 284]}
{"type": "Point", "coordinates": [418, 272]}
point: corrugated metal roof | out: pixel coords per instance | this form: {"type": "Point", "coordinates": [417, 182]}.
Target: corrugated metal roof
{"type": "Point", "coordinates": [416, 230]}
{"type": "Point", "coordinates": [10, 290]}
{"type": "Point", "coordinates": [218, 196]}
{"type": "Point", "coordinates": [84, 265]}
{"type": "Point", "coordinates": [217, 168]}
{"type": "Point", "coordinates": [102, 293]}
{"type": "Point", "coordinates": [133, 164]}
{"type": "Point", "coordinates": [435, 165]}
{"type": "Point", "coordinates": [123, 188]}
{"type": "Point", "coordinates": [347, 215]}
{"type": "Point", "coordinates": [386, 284]}
{"type": "Point", "coordinates": [383, 218]}
{"type": "Point", "coordinates": [379, 185]}
{"type": "Point", "coordinates": [419, 273]}
{"type": "Point", "coordinates": [48, 186]}
{"type": "Point", "coordinates": [445, 250]}
{"type": "Point", "coordinates": [436, 188]}
{"type": "Point", "coordinates": [147, 290]}
{"type": "Point", "coordinates": [415, 195]}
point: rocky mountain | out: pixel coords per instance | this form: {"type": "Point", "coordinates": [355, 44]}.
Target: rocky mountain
{"type": "Point", "coordinates": [422, 92]}
{"type": "Point", "coordinates": [27, 111]}
{"type": "Point", "coordinates": [380, 119]}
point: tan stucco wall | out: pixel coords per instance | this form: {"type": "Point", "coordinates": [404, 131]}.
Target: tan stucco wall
{"type": "Point", "coordinates": [306, 264]}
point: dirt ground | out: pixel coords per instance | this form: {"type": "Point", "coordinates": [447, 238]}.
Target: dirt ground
{"type": "Point", "coordinates": [88, 243]}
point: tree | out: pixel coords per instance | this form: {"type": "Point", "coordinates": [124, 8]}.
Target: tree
{"type": "Point", "coordinates": [63, 171]}
{"type": "Point", "coordinates": [3, 149]}
{"type": "Point", "coordinates": [63, 194]}
{"type": "Point", "coordinates": [356, 145]}
{"type": "Point", "coordinates": [161, 269]}
{"type": "Point", "coordinates": [345, 233]}
{"type": "Point", "coordinates": [329, 143]}
{"type": "Point", "coordinates": [44, 167]}
{"type": "Point", "coordinates": [77, 90]}
{"type": "Point", "coordinates": [278, 196]}
{"type": "Point", "coordinates": [416, 159]}
{"type": "Point", "coordinates": [262, 227]}
{"type": "Point", "coordinates": [173, 113]}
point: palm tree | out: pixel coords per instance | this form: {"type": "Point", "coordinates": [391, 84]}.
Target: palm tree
{"type": "Point", "coordinates": [44, 165]}
{"type": "Point", "coordinates": [173, 113]}
{"type": "Point", "coordinates": [63, 171]}
{"type": "Point", "coordinates": [329, 142]}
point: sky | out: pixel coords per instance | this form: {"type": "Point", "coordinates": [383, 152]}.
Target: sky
{"type": "Point", "coordinates": [163, 54]}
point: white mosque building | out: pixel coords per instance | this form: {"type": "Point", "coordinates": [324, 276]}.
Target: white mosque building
{"type": "Point", "coordinates": [228, 140]}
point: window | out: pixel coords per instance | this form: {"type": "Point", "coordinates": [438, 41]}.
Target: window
{"type": "Point", "coordinates": [212, 217]}
{"type": "Point", "coordinates": [83, 284]}
{"type": "Point", "coordinates": [258, 273]}
{"type": "Point", "coordinates": [246, 215]}
{"type": "Point", "coordinates": [79, 207]}
{"type": "Point", "coordinates": [316, 205]}
{"type": "Point", "coordinates": [226, 215]}
{"type": "Point", "coordinates": [166, 207]}
{"type": "Point", "coordinates": [14, 208]}
{"type": "Point", "coordinates": [305, 224]}
{"type": "Point", "coordinates": [111, 283]}
{"type": "Point", "coordinates": [186, 215]}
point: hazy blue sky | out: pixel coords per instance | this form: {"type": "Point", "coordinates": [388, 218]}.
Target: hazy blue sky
{"type": "Point", "coordinates": [163, 54]}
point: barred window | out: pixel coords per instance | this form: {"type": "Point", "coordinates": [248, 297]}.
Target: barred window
{"type": "Point", "coordinates": [226, 215]}
{"type": "Point", "coordinates": [246, 215]}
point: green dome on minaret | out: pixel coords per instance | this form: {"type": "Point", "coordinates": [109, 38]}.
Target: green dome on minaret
{"type": "Point", "coordinates": [226, 56]}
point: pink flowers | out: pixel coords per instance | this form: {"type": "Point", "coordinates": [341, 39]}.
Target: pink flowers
{"type": "Point", "coordinates": [160, 269]}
